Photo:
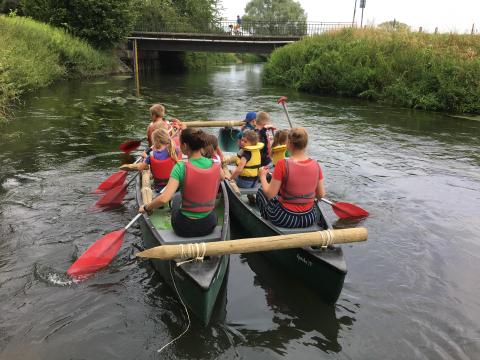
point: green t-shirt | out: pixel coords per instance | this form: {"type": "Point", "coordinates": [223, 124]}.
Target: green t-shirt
{"type": "Point", "coordinates": [178, 173]}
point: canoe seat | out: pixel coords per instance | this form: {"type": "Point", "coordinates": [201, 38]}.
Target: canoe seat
{"type": "Point", "coordinates": [288, 231]}
{"type": "Point", "coordinates": [249, 191]}
{"type": "Point", "coordinates": [170, 238]}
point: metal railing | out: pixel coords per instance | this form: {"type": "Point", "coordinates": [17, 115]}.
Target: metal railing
{"type": "Point", "coordinates": [247, 28]}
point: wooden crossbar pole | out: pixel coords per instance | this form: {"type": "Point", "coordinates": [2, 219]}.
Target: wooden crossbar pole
{"type": "Point", "coordinates": [213, 123]}
{"type": "Point", "coordinates": [249, 245]}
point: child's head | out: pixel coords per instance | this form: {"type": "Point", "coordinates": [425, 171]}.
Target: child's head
{"type": "Point", "coordinates": [297, 139]}
{"type": "Point", "coordinates": [157, 111]}
{"type": "Point", "coordinates": [251, 116]}
{"type": "Point", "coordinates": [280, 137]}
{"type": "Point", "coordinates": [160, 139]}
{"type": "Point", "coordinates": [263, 119]}
{"type": "Point", "coordinates": [249, 138]}
{"type": "Point", "coordinates": [195, 139]}
{"type": "Point", "coordinates": [211, 146]}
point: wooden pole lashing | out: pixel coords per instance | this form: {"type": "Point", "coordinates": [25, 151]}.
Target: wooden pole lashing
{"type": "Point", "coordinates": [249, 245]}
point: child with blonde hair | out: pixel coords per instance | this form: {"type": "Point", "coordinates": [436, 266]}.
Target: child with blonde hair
{"type": "Point", "coordinates": [279, 146]}
{"type": "Point", "coordinates": [263, 124]}
{"type": "Point", "coordinates": [160, 160]}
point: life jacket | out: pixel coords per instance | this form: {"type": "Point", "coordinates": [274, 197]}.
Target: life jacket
{"type": "Point", "coordinates": [300, 182]}
{"type": "Point", "coordinates": [251, 167]}
{"type": "Point", "coordinates": [200, 188]}
{"type": "Point", "coordinates": [161, 169]}
{"type": "Point", "coordinates": [278, 153]}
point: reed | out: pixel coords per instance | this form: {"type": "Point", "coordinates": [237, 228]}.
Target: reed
{"type": "Point", "coordinates": [438, 72]}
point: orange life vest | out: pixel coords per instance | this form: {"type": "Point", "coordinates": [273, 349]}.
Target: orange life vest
{"type": "Point", "coordinates": [200, 188]}
{"type": "Point", "coordinates": [300, 182]}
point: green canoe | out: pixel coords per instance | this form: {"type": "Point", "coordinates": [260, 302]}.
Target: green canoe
{"type": "Point", "coordinates": [198, 282]}
{"type": "Point", "coordinates": [322, 269]}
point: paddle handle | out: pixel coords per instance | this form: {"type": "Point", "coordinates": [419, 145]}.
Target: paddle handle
{"type": "Point", "coordinates": [133, 221]}
{"type": "Point", "coordinates": [325, 200]}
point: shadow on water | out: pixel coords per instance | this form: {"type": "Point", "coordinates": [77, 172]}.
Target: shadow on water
{"type": "Point", "coordinates": [297, 311]}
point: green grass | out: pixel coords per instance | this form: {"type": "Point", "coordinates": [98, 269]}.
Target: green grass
{"type": "Point", "coordinates": [438, 72]}
{"type": "Point", "coordinates": [34, 55]}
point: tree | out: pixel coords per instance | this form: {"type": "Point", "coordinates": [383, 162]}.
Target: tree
{"type": "Point", "coordinates": [275, 17]}
{"type": "Point", "coordinates": [103, 23]}
{"type": "Point", "coordinates": [394, 25]}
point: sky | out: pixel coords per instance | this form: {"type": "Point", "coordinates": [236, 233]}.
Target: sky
{"type": "Point", "coordinates": [448, 15]}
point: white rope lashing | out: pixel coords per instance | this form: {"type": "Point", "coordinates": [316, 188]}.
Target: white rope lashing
{"type": "Point", "coordinates": [192, 252]}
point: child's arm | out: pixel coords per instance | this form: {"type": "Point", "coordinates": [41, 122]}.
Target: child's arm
{"type": "Point", "coordinates": [239, 168]}
{"type": "Point", "coordinates": [133, 167]}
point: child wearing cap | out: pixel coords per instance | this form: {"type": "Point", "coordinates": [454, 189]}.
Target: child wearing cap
{"type": "Point", "coordinates": [249, 124]}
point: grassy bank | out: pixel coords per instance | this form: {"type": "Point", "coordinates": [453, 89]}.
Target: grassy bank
{"type": "Point", "coordinates": [33, 55]}
{"type": "Point", "coordinates": [426, 71]}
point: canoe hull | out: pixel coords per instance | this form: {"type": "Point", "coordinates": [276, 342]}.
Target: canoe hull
{"type": "Point", "coordinates": [197, 283]}
{"type": "Point", "coordinates": [323, 270]}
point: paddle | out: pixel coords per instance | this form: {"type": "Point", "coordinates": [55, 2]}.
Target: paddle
{"type": "Point", "coordinates": [343, 210]}
{"type": "Point", "coordinates": [115, 196]}
{"type": "Point", "coordinates": [130, 145]}
{"type": "Point", "coordinates": [114, 180]}
{"type": "Point", "coordinates": [100, 254]}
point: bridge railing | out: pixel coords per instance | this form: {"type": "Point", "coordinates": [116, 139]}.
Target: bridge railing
{"type": "Point", "coordinates": [247, 28]}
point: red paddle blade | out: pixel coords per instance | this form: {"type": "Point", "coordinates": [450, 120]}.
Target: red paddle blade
{"type": "Point", "coordinates": [113, 197]}
{"type": "Point", "coordinates": [98, 255]}
{"type": "Point", "coordinates": [112, 181]}
{"type": "Point", "coordinates": [346, 210]}
{"type": "Point", "coordinates": [129, 145]}
{"type": "Point", "coordinates": [282, 100]}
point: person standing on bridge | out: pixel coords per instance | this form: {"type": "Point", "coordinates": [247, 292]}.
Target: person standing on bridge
{"type": "Point", "coordinates": [238, 24]}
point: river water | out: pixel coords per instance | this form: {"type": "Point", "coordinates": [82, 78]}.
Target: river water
{"type": "Point", "coordinates": [412, 290]}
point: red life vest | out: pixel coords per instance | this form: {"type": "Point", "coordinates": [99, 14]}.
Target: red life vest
{"type": "Point", "coordinates": [200, 188]}
{"type": "Point", "coordinates": [300, 183]}
{"type": "Point", "coordinates": [161, 169]}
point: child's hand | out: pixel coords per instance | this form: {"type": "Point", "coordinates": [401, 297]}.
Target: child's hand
{"type": "Point", "coordinates": [263, 171]}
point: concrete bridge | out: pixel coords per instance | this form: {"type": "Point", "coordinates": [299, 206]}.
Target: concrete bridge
{"type": "Point", "coordinates": [228, 36]}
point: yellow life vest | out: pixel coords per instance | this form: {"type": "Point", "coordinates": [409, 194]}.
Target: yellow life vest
{"type": "Point", "coordinates": [252, 165]}
{"type": "Point", "coordinates": [278, 153]}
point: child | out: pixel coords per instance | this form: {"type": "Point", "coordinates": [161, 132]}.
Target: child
{"type": "Point", "coordinates": [249, 124]}
{"type": "Point", "coordinates": [262, 125]}
{"type": "Point", "coordinates": [157, 113]}
{"type": "Point", "coordinates": [212, 151]}
{"type": "Point", "coordinates": [279, 146]}
{"type": "Point", "coordinates": [248, 160]}
{"type": "Point", "coordinates": [161, 159]}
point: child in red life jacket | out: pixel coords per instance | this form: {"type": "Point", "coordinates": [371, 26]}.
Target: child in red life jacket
{"type": "Point", "coordinates": [288, 200]}
{"type": "Point", "coordinates": [212, 151]}
{"type": "Point", "coordinates": [161, 159]}
{"type": "Point", "coordinates": [193, 210]}
{"type": "Point", "coordinates": [263, 126]}
{"type": "Point", "coordinates": [248, 161]}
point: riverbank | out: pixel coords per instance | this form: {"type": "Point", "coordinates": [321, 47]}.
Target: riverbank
{"type": "Point", "coordinates": [439, 72]}
{"type": "Point", "coordinates": [33, 55]}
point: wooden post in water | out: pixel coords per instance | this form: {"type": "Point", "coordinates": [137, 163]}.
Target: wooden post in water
{"type": "Point", "coordinates": [473, 29]}
{"type": "Point", "coordinates": [135, 65]}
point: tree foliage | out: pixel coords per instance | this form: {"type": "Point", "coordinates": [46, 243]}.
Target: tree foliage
{"type": "Point", "coordinates": [275, 17]}
{"type": "Point", "coordinates": [394, 25]}
{"type": "Point", "coordinates": [103, 23]}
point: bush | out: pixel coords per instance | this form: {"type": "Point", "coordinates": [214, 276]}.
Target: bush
{"type": "Point", "coordinates": [417, 70]}
{"type": "Point", "coordinates": [103, 23]}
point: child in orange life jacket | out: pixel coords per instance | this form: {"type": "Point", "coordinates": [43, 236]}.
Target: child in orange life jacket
{"type": "Point", "coordinates": [211, 150]}
{"type": "Point", "coordinates": [157, 114]}
{"type": "Point", "coordinates": [279, 146]}
{"type": "Point", "coordinates": [248, 161]}
{"type": "Point", "coordinates": [263, 124]}
{"type": "Point", "coordinates": [161, 159]}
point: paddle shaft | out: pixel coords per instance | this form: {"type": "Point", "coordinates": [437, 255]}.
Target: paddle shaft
{"type": "Point", "coordinates": [249, 245]}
